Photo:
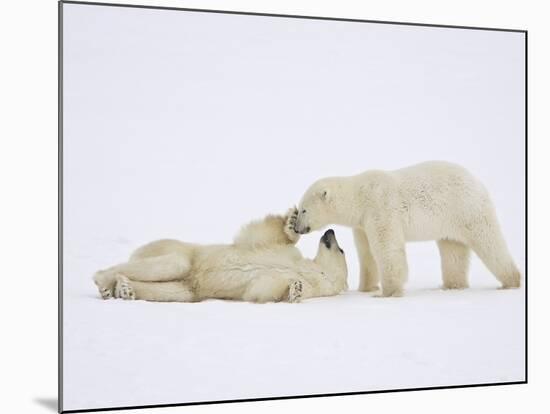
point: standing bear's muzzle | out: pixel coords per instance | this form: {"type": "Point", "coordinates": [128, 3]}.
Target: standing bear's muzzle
{"type": "Point", "coordinates": [299, 225]}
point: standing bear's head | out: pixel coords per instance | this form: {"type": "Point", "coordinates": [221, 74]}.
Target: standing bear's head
{"type": "Point", "coordinates": [322, 204]}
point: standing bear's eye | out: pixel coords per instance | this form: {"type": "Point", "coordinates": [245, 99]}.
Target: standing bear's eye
{"type": "Point", "coordinates": [303, 211]}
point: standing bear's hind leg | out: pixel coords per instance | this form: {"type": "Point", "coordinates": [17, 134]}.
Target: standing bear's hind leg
{"type": "Point", "coordinates": [455, 262]}
{"type": "Point", "coordinates": [488, 243]}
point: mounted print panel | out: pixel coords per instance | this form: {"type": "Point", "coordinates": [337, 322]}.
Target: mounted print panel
{"type": "Point", "coordinates": [261, 206]}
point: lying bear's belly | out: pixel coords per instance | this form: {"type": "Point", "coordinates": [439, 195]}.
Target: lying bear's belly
{"type": "Point", "coordinates": [227, 273]}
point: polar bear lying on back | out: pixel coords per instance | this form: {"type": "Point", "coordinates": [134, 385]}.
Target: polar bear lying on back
{"type": "Point", "coordinates": [429, 201]}
{"type": "Point", "coordinates": [262, 265]}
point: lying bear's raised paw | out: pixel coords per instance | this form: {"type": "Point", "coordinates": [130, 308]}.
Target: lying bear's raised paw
{"type": "Point", "coordinates": [291, 217]}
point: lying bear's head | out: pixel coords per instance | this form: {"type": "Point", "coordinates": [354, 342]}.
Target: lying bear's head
{"type": "Point", "coordinates": [331, 258]}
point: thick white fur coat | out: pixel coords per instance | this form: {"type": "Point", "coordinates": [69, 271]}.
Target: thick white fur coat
{"type": "Point", "coordinates": [262, 265]}
{"type": "Point", "coordinates": [430, 201]}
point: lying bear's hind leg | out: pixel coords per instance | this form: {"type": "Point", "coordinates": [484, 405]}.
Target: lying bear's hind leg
{"type": "Point", "coordinates": [155, 269]}
{"type": "Point", "coordinates": [105, 281]}
{"type": "Point", "coordinates": [176, 291]}
{"type": "Point", "coordinates": [123, 288]}
{"type": "Point", "coordinates": [455, 262]}
{"type": "Point", "coordinates": [151, 269]}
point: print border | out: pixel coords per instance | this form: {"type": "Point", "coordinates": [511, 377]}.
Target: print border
{"type": "Point", "coordinates": [60, 204]}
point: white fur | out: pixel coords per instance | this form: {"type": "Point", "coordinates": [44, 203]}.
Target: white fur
{"type": "Point", "coordinates": [262, 265]}
{"type": "Point", "coordinates": [429, 201]}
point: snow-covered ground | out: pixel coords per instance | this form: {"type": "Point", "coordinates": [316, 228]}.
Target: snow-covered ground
{"type": "Point", "coordinates": [120, 353]}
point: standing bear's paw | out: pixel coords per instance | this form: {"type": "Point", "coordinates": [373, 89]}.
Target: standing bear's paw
{"type": "Point", "coordinates": [391, 290]}
{"type": "Point", "coordinates": [369, 288]}
{"type": "Point", "coordinates": [295, 290]}
{"type": "Point", "coordinates": [290, 222]}
{"type": "Point", "coordinates": [123, 288]}
{"type": "Point", "coordinates": [455, 285]}
{"type": "Point", "coordinates": [511, 280]}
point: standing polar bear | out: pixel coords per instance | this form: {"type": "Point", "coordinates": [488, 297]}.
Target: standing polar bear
{"type": "Point", "coordinates": [262, 265]}
{"type": "Point", "coordinates": [429, 201]}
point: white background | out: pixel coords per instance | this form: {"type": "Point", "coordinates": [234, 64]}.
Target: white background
{"type": "Point", "coordinates": [33, 166]}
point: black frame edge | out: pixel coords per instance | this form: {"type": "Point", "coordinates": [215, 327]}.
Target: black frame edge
{"type": "Point", "coordinates": [445, 387]}
{"type": "Point", "coordinates": [60, 207]}
{"type": "Point", "coordinates": [294, 16]}
{"type": "Point", "coordinates": [526, 118]}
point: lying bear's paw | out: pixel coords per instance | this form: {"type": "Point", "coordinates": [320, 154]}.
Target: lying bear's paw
{"type": "Point", "coordinates": [105, 293]}
{"type": "Point", "coordinates": [105, 282]}
{"type": "Point", "coordinates": [295, 290]}
{"type": "Point", "coordinates": [291, 217]}
{"type": "Point", "coordinates": [123, 289]}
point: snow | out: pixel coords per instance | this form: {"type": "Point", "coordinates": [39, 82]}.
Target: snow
{"type": "Point", "coordinates": [119, 353]}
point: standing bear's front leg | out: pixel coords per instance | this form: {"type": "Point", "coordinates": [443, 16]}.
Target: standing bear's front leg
{"type": "Point", "coordinates": [387, 245]}
{"type": "Point", "coordinates": [368, 276]}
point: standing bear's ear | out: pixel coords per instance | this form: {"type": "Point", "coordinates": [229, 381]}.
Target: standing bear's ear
{"type": "Point", "coordinates": [324, 195]}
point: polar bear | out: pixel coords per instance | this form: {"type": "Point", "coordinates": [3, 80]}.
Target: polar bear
{"type": "Point", "coordinates": [262, 265]}
{"type": "Point", "coordinates": [434, 200]}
